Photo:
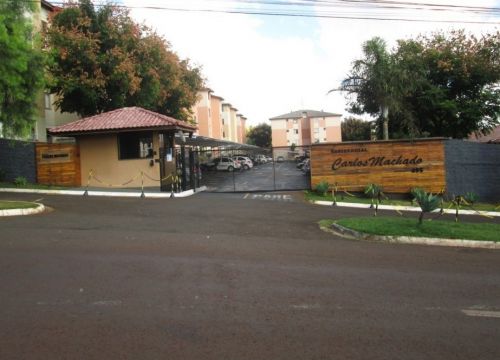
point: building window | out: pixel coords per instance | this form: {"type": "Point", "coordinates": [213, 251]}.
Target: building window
{"type": "Point", "coordinates": [296, 131]}
{"type": "Point", "coordinates": [48, 103]}
{"type": "Point", "coordinates": [295, 121]}
{"type": "Point", "coordinates": [287, 130]}
{"type": "Point", "coordinates": [135, 145]}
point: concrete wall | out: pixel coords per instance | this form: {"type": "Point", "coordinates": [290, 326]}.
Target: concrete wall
{"type": "Point", "coordinates": [100, 153]}
{"type": "Point", "coordinates": [17, 158]}
{"type": "Point", "coordinates": [473, 167]}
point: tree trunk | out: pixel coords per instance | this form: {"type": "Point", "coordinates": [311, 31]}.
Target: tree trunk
{"type": "Point", "coordinates": [385, 118]}
{"type": "Point", "coordinates": [421, 218]}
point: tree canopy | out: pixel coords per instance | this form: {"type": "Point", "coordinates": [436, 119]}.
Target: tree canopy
{"type": "Point", "coordinates": [355, 129]}
{"type": "Point", "coordinates": [373, 83]}
{"type": "Point", "coordinates": [102, 60]}
{"type": "Point", "coordinates": [21, 68]}
{"type": "Point", "coordinates": [437, 85]}
{"type": "Point", "coordinates": [260, 135]}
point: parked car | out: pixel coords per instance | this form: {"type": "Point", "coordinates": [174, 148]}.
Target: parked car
{"type": "Point", "coordinates": [260, 159]}
{"type": "Point", "coordinates": [245, 162]}
{"type": "Point", "coordinates": [300, 158]}
{"type": "Point", "coordinates": [227, 164]}
{"type": "Point", "coordinates": [306, 167]}
{"type": "Point", "coordinates": [280, 159]}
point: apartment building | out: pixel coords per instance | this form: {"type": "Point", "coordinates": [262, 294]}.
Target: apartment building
{"type": "Point", "coordinates": [218, 119]}
{"type": "Point", "coordinates": [305, 127]}
{"type": "Point", "coordinates": [47, 115]}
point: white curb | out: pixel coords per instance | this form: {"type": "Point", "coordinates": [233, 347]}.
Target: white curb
{"type": "Point", "coordinates": [17, 212]}
{"type": "Point", "coordinates": [136, 194]}
{"type": "Point", "coordinates": [414, 240]}
{"type": "Point", "coordinates": [405, 208]}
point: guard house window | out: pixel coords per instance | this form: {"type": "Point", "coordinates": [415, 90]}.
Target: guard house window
{"type": "Point", "coordinates": [135, 145]}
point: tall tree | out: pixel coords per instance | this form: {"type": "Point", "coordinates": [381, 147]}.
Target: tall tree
{"type": "Point", "coordinates": [260, 135]}
{"type": "Point", "coordinates": [455, 79]}
{"type": "Point", "coordinates": [355, 129]}
{"type": "Point", "coordinates": [373, 84]}
{"type": "Point", "coordinates": [21, 68]}
{"type": "Point", "coordinates": [103, 60]}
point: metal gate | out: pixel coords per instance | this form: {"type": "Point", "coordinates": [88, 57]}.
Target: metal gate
{"type": "Point", "coordinates": [239, 170]}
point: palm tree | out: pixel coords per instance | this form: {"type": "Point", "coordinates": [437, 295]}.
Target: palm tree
{"type": "Point", "coordinates": [374, 82]}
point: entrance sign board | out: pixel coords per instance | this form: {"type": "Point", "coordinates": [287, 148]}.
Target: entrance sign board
{"type": "Point", "coordinates": [58, 164]}
{"type": "Point", "coordinates": [395, 165]}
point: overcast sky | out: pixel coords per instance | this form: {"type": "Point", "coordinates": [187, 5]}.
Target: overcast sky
{"type": "Point", "coordinates": [270, 65]}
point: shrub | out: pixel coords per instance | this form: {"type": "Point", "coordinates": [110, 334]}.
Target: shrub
{"type": "Point", "coordinates": [20, 181]}
{"type": "Point", "coordinates": [470, 197]}
{"type": "Point", "coordinates": [322, 188]}
{"type": "Point", "coordinates": [3, 175]}
{"type": "Point", "coordinates": [374, 192]}
{"type": "Point", "coordinates": [426, 201]}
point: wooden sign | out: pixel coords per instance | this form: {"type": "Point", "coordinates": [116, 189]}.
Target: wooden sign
{"type": "Point", "coordinates": [58, 164]}
{"type": "Point", "coordinates": [397, 166]}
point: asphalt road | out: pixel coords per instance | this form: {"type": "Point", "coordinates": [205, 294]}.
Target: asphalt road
{"type": "Point", "coordinates": [233, 276]}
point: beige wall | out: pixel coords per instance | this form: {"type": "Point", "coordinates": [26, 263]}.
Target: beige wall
{"type": "Point", "coordinates": [226, 116]}
{"type": "Point", "coordinates": [100, 153]}
{"type": "Point", "coordinates": [216, 103]}
{"type": "Point", "coordinates": [243, 130]}
{"type": "Point", "coordinates": [233, 125]}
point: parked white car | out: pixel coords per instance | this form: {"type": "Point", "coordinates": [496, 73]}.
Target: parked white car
{"type": "Point", "coordinates": [227, 164]}
{"type": "Point", "coordinates": [245, 162]}
{"type": "Point", "coordinates": [261, 159]}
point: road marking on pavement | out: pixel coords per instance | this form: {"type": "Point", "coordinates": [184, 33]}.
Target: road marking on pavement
{"type": "Point", "coordinates": [481, 313]}
{"type": "Point", "coordinates": [305, 306]}
{"type": "Point", "coordinates": [271, 197]}
{"type": "Point", "coordinates": [107, 303]}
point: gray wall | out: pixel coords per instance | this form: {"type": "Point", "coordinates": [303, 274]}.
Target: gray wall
{"type": "Point", "coordinates": [472, 166]}
{"type": "Point", "coordinates": [17, 158]}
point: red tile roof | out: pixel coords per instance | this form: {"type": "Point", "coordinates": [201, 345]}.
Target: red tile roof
{"type": "Point", "coordinates": [493, 137]}
{"type": "Point", "coordinates": [122, 119]}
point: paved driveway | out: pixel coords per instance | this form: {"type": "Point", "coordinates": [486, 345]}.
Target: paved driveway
{"type": "Point", "coordinates": [262, 177]}
{"type": "Point", "coordinates": [231, 276]}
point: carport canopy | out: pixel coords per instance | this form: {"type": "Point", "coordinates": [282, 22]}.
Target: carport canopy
{"type": "Point", "coordinates": [203, 141]}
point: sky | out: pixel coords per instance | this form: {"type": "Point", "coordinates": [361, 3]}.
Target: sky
{"type": "Point", "coordinates": [267, 66]}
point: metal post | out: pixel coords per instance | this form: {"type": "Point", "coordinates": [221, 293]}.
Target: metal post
{"type": "Point", "coordinates": [274, 169]}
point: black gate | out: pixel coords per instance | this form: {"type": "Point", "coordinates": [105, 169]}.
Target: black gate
{"type": "Point", "coordinates": [254, 170]}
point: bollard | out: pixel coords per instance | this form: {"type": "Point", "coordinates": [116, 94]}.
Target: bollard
{"type": "Point", "coordinates": [86, 193]}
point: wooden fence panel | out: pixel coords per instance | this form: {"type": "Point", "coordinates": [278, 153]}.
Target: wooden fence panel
{"type": "Point", "coordinates": [397, 166]}
{"type": "Point", "coordinates": [58, 164]}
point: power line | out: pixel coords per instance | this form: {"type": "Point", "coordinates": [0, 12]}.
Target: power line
{"type": "Point", "coordinates": [361, 10]}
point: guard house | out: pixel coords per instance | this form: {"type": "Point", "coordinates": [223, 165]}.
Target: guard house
{"type": "Point", "coordinates": [131, 146]}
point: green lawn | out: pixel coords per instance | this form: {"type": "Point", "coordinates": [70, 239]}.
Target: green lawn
{"type": "Point", "coordinates": [401, 226]}
{"type": "Point", "coordinates": [7, 205]}
{"type": "Point", "coordinates": [359, 199]}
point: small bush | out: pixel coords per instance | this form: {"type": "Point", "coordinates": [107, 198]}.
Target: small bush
{"type": "Point", "coordinates": [322, 188]}
{"type": "Point", "coordinates": [3, 175]}
{"type": "Point", "coordinates": [374, 192]}
{"type": "Point", "coordinates": [470, 197]}
{"type": "Point", "coordinates": [20, 181]}
{"type": "Point", "coordinates": [426, 201]}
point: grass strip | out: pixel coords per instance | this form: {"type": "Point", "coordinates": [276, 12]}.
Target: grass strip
{"type": "Point", "coordinates": [8, 205]}
{"type": "Point", "coordinates": [359, 199]}
{"type": "Point", "coordinates": [400, 226]}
